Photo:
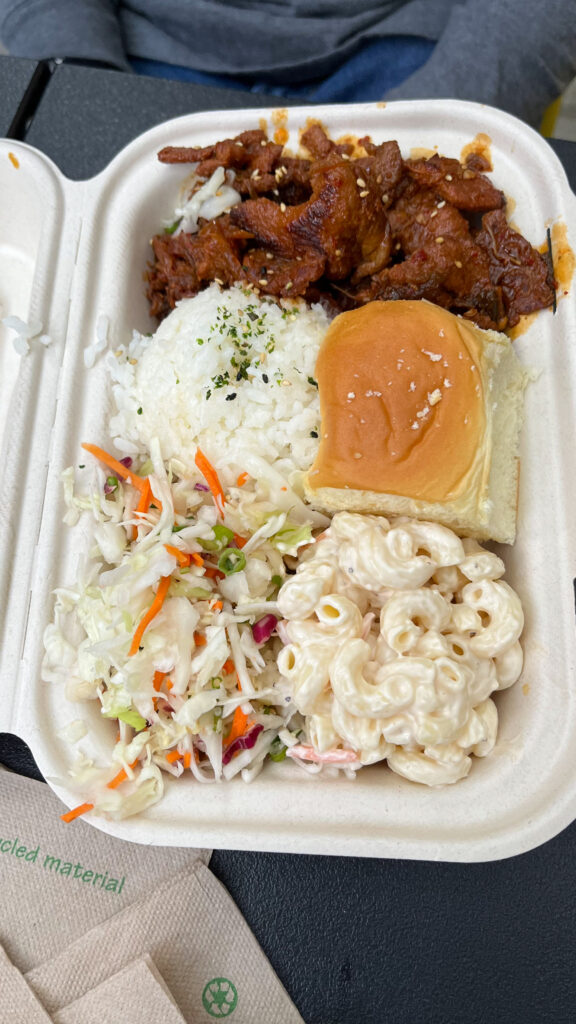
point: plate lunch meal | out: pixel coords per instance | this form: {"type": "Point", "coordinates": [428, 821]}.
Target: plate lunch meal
{"type": "Point", "coordinates": [73, 258]}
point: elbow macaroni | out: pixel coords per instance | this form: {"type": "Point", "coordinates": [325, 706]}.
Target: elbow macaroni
{"type": "Point", "coordinates": [399, 632]}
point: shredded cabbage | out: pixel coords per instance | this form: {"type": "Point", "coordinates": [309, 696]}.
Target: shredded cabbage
{"type": "Point", "coordinates": [196, 692]}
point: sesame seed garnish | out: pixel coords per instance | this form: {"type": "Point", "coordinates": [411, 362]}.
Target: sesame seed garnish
{"type": "Point", "coordinates": [357, 455]}
{"type": "Point", "coordinates": [448, 177]}
{"type": "Point", "coordinates": [263, 281]}
{"type": "Point", "coordinates": [364, 194]}
{"type": "Point", "coordinates": [255, 174]}
{"type": "Point", "coordinates": [269, 255]}
{"type": "Point", "coordinates": [345, 156]}
{"type": "Point", "coordinates": [434, 213]}
{"type": "Point", "coordinates": [385, 197]}
{"type": "Point", "coordinates": [275, 192]}
{"type": "Point", "coordinates": [360, 182]}
{"type": "Point", "coordinates": [289, 286]}
{"type": "Point", "coordinates": [283, 207]}
{"type": "Point", "coordinates": [397, 246]}
{"type": "Point", "coordinates": [458, 264]}
{"type": "Point", "coordinates": [263, 142]}
{"type": "Point", "coordinates": [240, 144]}
{"type": "Point", "coordinates": [338, 252]}
{"type": "Point", "coordinates": [286, 383]}
{"type": "Point", "coordinates": [441, 204]}
{"type": "Point", "coordinates": [439, 240]}
{"type": "Point", "coordinates": [379, 179]}
{"type": "Point", "coordinates": [217, 280]}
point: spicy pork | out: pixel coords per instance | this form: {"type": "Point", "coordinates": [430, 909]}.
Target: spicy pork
{"type": "Point", "coordinates": [345, 230]}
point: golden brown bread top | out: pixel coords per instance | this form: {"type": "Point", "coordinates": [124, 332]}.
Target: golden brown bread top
{"type": "Point", "coordinates": [402, 402]}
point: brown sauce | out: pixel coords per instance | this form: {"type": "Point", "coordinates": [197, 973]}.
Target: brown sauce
{"type": "Point", "coordinates": [480, 146]}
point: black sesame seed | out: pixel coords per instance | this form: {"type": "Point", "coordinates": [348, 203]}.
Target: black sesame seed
{"type": "Point", "coordinates": [313, 433]}
{"type": "Point", "coordinates": [265, 378]}
{"type": "Point", "coordinates": [231, 397]}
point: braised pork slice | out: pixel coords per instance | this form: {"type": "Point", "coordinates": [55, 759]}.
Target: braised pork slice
{"type": "Point", "coordinates": [420, 216]}
{"type": "Point", "coordinates": [185, 263]}
{"type": "Point", "coordinates": [454, 274]}
{"type": "Point", "coordinates": [464, 187]}
{"type": "Point", "coordinates": [516, 267]}
{"type": "Point", "coordinates": [344, 222]}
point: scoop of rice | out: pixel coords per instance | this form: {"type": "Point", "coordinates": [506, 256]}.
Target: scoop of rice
{"type": "Point", "coordinates": [227, 372]}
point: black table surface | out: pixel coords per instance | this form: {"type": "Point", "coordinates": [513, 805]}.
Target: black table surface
{"type": "Point", "coordinates": [355, 941]}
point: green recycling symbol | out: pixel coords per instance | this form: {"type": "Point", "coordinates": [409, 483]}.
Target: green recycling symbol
{"type": "Point", "coordinates": [219, 997]}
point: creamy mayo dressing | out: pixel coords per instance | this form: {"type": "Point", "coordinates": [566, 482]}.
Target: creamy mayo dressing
{"type": "Point", "coordinates": [398, 634]}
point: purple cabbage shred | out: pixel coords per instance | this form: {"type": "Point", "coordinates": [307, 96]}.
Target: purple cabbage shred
{"type": "Point", "coordinates": [245, 742]}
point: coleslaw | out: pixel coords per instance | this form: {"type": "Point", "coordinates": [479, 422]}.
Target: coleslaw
{"type": "Point", "coordinates": [171, 625]}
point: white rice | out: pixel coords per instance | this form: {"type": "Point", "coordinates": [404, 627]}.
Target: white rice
{"type": "Point", "coordinates": [178, 385]}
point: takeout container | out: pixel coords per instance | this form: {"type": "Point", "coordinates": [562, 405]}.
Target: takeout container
{"type": "Point", "coordinates": [71, 252]}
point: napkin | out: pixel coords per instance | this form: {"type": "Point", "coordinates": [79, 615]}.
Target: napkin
{"type": "Point", "coordinates": [57, 880]}
{"type": "Point", "coordinates": [199, 942]}
{"type": "Point", "coordinates": [139, 990]}
{"type": "Point", "coordinates": [18, 1004]}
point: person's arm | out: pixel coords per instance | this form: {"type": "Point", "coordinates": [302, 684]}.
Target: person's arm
{"type": "Point", "coordinates": [82, 29]}
{"type": "Point", "coordinates": [518, 55]}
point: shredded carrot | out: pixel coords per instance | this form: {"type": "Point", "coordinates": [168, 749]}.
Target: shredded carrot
{"type": "Point", "coordinates": [142, 506]}
{"type": "Point", "coordinates": [196, 558]}
{"type": "Point", "coordinates": [173, 756]}
{"type": "Point", "coordinates": [213, 573]}
{"type": "Point", "coordinates": [211, 477]}
{"type": "Point", "coordinates": [150, 614]}
{"type": "Point", "coordinates": [200, 640]}
{"type": "Point", "coordinates": [122, 776]}
{"type": "Point", "coordinates": [217, 606]}
{"type": "Point", "coordinates": [238, 683]}
{"type": "Point", "coordinates": [181, 557]}
{"type": "Point", "coordinates": [140, 482]}
{"type": "Point", "coordinates": [283, 488]}
{"type": "Point", "coordinates": [145, 498]}
{"type": "Point", "coordinates": [228, 667]}
{"type": "Point", "coordinates": [158, 679]}
{"type": "Point", "coordinates": [239, 541]}
{"type": "Point", "coordinates": [169, 684]}
{"type": "Point", "coordinates": [76, 812]}
{"type": "Point", "coordinates": [239, 724]}
{"type": "Point", "coordinates": [187, 759]}
{"type": "Point", "coordinates": [242, 479]}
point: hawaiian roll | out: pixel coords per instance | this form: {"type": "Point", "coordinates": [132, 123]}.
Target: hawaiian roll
{"type": "Point", "coordinates": [421, 413]}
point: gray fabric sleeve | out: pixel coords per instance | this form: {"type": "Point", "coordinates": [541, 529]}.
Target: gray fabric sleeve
{"type": "Point", "coordinates": [518, 55]}
{"type": "Point", "coordinates": [87, 29]}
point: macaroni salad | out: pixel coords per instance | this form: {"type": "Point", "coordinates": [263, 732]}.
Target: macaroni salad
{"type": "Point", "coordinates": [397, 632]}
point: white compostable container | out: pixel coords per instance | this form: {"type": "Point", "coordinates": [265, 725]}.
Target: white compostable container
{"type": "Point", "coordinates": [71, 252]}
